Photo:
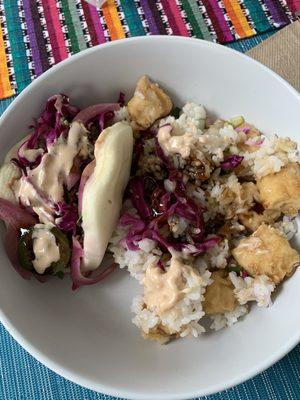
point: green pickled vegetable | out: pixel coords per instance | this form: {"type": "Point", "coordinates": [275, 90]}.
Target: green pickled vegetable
{"type": "Point", "coordinates": [25, 251]}
{"type": "Point", "coordinates": [233, 150]}
{"type": "Point", "coordinates": [26, 254]}
{"type": "Point", "coordinates": [234, 268]}
{"type": "Point", "coordinates": [60, 275]}
{"type": "Point", "coordinates": [94, 132]}
{"type": "Point", "coordinates": [237, 121]}
{"type": "Point", "coordinates": [175, 112]}
{"type": "Point", "coordinates": [64, 251]}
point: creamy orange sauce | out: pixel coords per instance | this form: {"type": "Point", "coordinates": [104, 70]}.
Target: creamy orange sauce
{"type": "Point", "coordinates": [163, 289]}
{"type": "Point", "coordinates": [51, 174]}
{"type": "Point", "coordinates": [56, 165]}
{"type": "Point", "coordinates": [31, 154]}
{"type": "Point", "coordinates": [177, 144]}
{"type": "Point", "coordinates": [45, 249]}
{"type": "Point", "coordinates": [29, 197]}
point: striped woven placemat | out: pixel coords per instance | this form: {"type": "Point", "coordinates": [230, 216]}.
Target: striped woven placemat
{"type": "Point", "coordinates": [36, 34]}
{"type": "Point", "coordinates": [24, 378]}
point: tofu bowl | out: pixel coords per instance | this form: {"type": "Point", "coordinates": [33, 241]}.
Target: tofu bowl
{"type": "Point", "coordinates": [87, 335]}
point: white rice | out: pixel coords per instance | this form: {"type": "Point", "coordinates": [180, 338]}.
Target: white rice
{"type": "Point", "coordinates": [257, 289]}
{"type": "Point", "coordinates": [216, 257]}
{"type": "Point", "coordinates": [288, 227]}
{"type": "Point", "coordinates": [271, 156]}
{"type": "Point", "coordinates": [177, 225]}
{"type": "Point", "coordinates": [182, 319]}
{"type": "Point", "coordinates": [121, 115]}
{"type": "Point", "coordinates": [222, 195]}
{"type": "Point", "coordinates": [169, 185]}
{"type": "Point", "coordinates": [230, 135]}
{"type": "Point", "coordinates": [193, 116]}
{"type": "Point", "coordinates": [199, 194]}
{"type": "Point", "coordinates": [136, 261]}
{"type": "Point", "coordinates": [228, 197]}
{"type": "Point", "coordinates": [220, 321]}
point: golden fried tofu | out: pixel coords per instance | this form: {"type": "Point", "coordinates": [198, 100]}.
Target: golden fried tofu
{"type": "Point", "coordinates": [249, 192]}
{"type": "Point", "coordinates": [219, 296]}
{"type": "Point", "coordinates": [281, 191]}
{"type": "Point", "coordinates": [158, 334]}
{"type": "Point", "coordinates": [267, 252]}
{"type": "Point", "coordinates": [252, 220]}
{"type": "Point", "coordinates": [148, 103]}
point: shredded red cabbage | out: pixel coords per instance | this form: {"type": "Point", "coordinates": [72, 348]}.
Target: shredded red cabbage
{"type": "Point", "coordinates": [231, 162]}
{"type": "Point", "coordinates": [137, 227]}
{"type": "Point", "coordinates": [139, 231]}
{"type": "Point", "coordinates": [244, 129]}
{"type": "Point", "coordinates": [203, 247]}
{"type": "Point", "coordinates": [67, 217]}
{"type": "Point", "coordinates": [174, 174]}
{"type": "Point", "coordinates": [58, 113]}
{"type": "Point", "coordinates": [255, 142]}
{"type": "Point", "coordinates": [155, 206]}
{"type": "Point", "coordinates": [53, 122]}
{"type": "Point", "coordinates": [137, 188]}
{"type": "Point", "coordinates": [136, 223]}
{"type": "Point", "coordinates": [66, 214]}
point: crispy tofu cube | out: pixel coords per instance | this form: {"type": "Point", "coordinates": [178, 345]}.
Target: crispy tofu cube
{"type": "Point", "coordinates": [219, 296]}
{"type": "Point", "coordinates": [252, 220]}
{"type": "Point", "coordinates": [250, 191]}
{"type": "Point", "coordinates": [281, 191]}
{"type": "Point", "coordinates": [267, 252]}
{"type": "Point", "coordinates": [158, 334]}
{"type": "Point", "coordinates": [148, 104]}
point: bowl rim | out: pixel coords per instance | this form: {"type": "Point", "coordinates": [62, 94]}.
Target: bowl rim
{"type": "Point", "coordinates": [102, 387]}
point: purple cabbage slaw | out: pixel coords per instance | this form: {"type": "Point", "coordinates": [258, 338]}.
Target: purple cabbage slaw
{"type": "Point", "coordinates": [55, 121]}
{"type": "Point", "coordinates": [231, 162]}
{"type": "Point", "coordinates": [155, 205]}
{"type": "Point", "coordinates": [67, 217]}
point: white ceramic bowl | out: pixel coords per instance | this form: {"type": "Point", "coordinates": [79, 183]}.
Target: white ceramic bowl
{"type": "Point", "coordinates": [87, 336]}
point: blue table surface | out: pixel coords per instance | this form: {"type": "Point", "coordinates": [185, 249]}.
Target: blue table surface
{"type": "Point", "coordinates": [22, 377]}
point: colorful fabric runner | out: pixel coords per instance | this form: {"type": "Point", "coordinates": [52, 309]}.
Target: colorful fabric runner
{"type": "Point", "coordinates": [36, 34]}
{"type": "Point", "coordinates": [22, 377]}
